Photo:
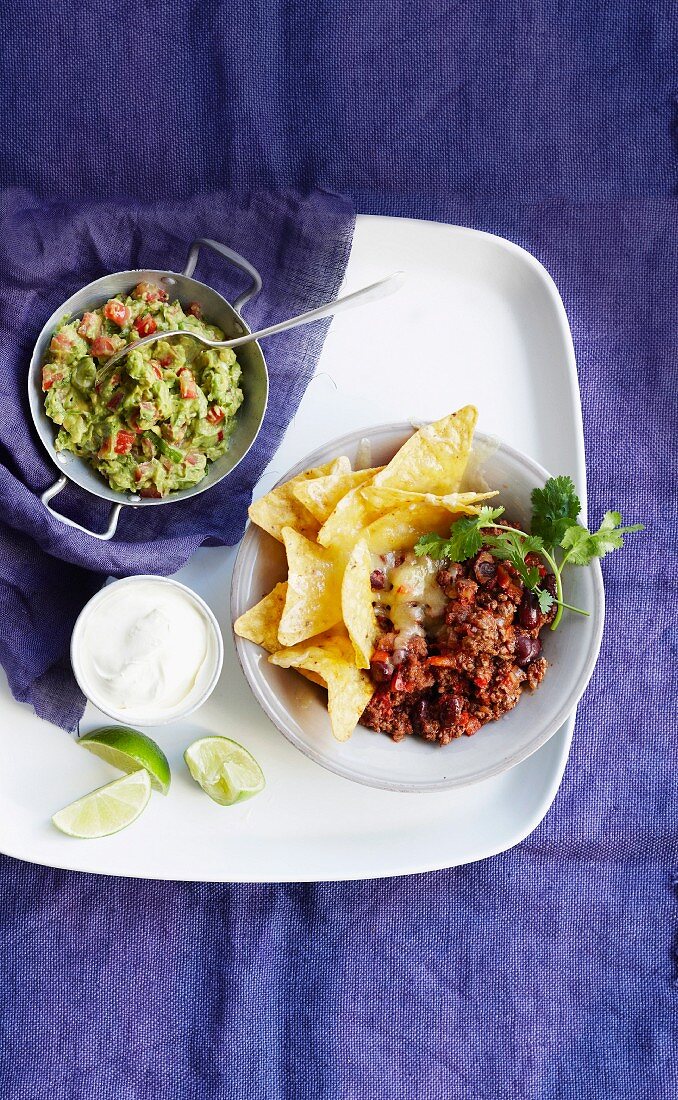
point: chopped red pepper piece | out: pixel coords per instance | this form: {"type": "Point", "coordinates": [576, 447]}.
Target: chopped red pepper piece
{"type": "Point", "coordinates": [187, 385]}
{"type": "Point", "coordinates": [215, 414]}
{"type": "Point", "coordinates": [124, 441]}
{"type": "Point", "coordinates": [398, 683]}
{"type": "Point", "coordinates": [115, 400]}
{"type": "Point", "coordinates": [149, 292]}
{"type": "Point", "coordinates": [381, 655]}
{"type": "Point", "coordinates": [90, 326]}
{"type": "Point", "coordinates": [63, 342]}
{"type": "Point", "coordinates": [116, 312]}
{"type": "Point", "coordinates": [146, 325]}
{"type": "Point", "coordinates": [103, 346]}
{"type": "Point", "coordinates": [49, 377]}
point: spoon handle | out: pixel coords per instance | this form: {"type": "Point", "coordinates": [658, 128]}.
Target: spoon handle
{"type": "Point", "coordinates": [358, 297]}
{"type": "Point", "coordinates": [370, 293]}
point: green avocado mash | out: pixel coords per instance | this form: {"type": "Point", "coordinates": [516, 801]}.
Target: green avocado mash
{"type": "Point", "coordinates": [161, 414]}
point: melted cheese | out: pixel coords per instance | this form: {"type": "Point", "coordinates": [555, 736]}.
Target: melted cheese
{"type": "Point", "coordinates": [415, 601]}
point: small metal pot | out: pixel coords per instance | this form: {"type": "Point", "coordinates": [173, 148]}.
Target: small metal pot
{"type": "Point", "coordinates": [215, 308]}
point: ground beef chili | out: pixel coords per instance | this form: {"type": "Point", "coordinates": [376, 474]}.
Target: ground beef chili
{"type": "Point", "coordinates": [458, 644]}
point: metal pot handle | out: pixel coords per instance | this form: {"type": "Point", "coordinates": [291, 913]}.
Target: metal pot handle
{"type": "Point", "coordinates": [112, 519]}
{"type": "Point", "coordinates": [236, 259]}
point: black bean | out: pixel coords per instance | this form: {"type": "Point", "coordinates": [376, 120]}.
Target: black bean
{"type": "Point", "coordinates": [527, 649]}
{"type": "Point", "coordinates": [382, 671]}
{"type": "Point", "coordinates": [485, 568]}
{"type": "Point", "coordinates": [528, 612]}
{"type": "Point", "coordinates": [420, 714]}
{"type": "Point", "coordinates": [378, 579]}
{"type": "Point", "coordinates": [549, 583]}
{"type": "Point", "coordinates": [449, 709]}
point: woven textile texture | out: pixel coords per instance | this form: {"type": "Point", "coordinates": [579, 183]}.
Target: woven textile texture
{"type": "Point", "coordinates": [545, 973]}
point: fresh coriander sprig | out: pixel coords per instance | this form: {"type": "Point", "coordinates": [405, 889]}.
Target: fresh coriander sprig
{"type": "Point", "coordinates": [466, 537]}
{"type": "Point", "coordinates": [555, 528]}
{"type": "Point", "coordinates": [555, 509]}
{"type": "Point", "coordinates": [469, 534]}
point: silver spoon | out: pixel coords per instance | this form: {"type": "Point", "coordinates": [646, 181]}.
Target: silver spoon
{"type": "Point", "coordinates": [366, 294]}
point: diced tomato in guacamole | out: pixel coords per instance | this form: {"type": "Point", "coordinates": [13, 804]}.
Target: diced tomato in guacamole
{"type": "Point", "coordinates": [168, 409]}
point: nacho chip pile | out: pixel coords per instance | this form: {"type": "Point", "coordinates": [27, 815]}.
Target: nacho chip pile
{"type": "Point", "coordinates": [334, 522]}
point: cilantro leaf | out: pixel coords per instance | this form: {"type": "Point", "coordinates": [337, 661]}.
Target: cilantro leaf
{"type": "Point", "coordinates": [488, 515]}
{"type": "Point", "coordinates": [432, 545]}
{"type": "Point", "coordinates": [513, 546]}
{"type": "Point", "coordinates": [545, 600]}
{"type": "Point", "coordinates": [582, 546]}
{"type": "Point", "coordinates": [554, 509]}
{"type": "Point", "coordinates": [576, 542]}
{"type": "Point", "coordinates": [465, 538]}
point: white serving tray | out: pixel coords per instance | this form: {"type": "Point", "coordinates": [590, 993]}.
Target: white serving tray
{"type": "Point", "coordinates": [480, 321]}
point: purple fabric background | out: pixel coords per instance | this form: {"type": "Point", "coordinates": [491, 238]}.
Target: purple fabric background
{"type": "Point", "coordinates": [547, 972]}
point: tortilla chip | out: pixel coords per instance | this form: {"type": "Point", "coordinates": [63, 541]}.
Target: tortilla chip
{"type": "Point", "coordinates": [342, 529]}
{"type": "Point", "coordinates": [401, 529]}
{"type": "Point", "coordinates": [260, 624]}
{"type": "Point", "coordinates": [280, 508]}
{"type": "Point", "coordinates": [321, 496]}
{"type": "Point", "coordinates": [349, 688]}
{"type": "Point", "coordinates": [433, 460]}
{"type": "Point", "coordinates": [385, 500]}
{"type": "Point", "coordinates": [313, 600]}
{"type": "Point", "coordinates": [356, 604]}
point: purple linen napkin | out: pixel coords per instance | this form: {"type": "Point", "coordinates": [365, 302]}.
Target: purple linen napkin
{"type": "Point", "coordinates": [47, 251]}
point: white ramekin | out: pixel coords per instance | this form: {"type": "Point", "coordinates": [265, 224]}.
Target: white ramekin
{"type": "Point", "coordinates": [128, 717]}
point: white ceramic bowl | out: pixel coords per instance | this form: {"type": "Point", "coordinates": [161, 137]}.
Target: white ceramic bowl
{"type": "Point", "coordinates": [205, 682]}
{"type": "Point", "coordinates": [298, 708]}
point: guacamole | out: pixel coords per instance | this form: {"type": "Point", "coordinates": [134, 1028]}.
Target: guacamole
{"type": "Point", "coordinates": [153, 422]}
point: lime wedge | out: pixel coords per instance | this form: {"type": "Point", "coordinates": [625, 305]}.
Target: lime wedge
{"type": "Point", "coordinates": [108, 809]}
{"type": "Point", "coordinates": [127, 749]}
{"type": "Point", "coordinates": [226, 771]}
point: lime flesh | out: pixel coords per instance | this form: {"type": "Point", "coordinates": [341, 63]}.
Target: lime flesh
{"type": "Point", "coordinates": [225, 770]}
{"type": "Point", "coordinates": [127, 750]}
{"type": "Point", "coordinates": [108, 809]}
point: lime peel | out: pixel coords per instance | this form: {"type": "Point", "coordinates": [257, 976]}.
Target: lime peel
{"type": "Point", "coordinates": [108, 809]}
{"type": "Point", "coordinates": [128, 749]}
{"type": "Point", "coordinates": [226, 771]}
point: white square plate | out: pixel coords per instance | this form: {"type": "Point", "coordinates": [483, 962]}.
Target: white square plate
{"type": "Point", "coordinates": [479, 320]}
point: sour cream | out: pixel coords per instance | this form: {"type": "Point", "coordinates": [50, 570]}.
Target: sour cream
{"type": "Point", "coordinates": [146, 650]}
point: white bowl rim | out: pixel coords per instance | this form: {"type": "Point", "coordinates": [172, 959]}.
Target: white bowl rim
{"type": "Point", "coordinates": [451, 782]}
{"type": "Point", "coordinates": [125, 717]}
